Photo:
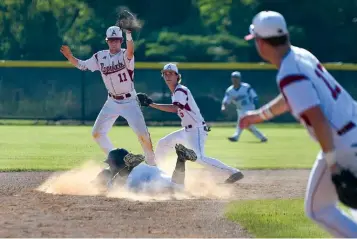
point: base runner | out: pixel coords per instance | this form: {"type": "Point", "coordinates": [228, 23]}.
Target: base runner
{"type": "Point", "coordinates": [194, 132]}
{"type": "Point", "coordinates": [327, 111]}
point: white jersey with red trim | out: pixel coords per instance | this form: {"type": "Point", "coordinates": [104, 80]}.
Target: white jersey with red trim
{"type": "Point", "coordinates": [188, 110]}
{"type": "Point", "coordinates": [117, 70]}
{"type": "Point", "coordinates": [305, 83]}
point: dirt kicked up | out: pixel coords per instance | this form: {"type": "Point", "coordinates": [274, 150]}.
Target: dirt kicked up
{"type": "Point", "coordinates": [62, 204]}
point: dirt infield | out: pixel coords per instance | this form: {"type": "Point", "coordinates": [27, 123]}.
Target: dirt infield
{"type": "Point", "coordinates": [27, 212]}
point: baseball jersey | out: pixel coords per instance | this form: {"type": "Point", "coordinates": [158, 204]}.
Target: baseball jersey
{"type": "Point", "coordinates": [117, 70]}
{"type": "Point", "coordinates": [243, 97]}
{"type": "Point", "coordinates": [305, 83]}
{"type": "Point", "coordinates": [146, 178]}
{"type": "Point", "coordinates": [188, 110]}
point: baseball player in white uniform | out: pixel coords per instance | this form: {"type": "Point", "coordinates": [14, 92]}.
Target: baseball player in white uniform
{"type": "Point", "coordinates": [117, 69]}
{"type": "Point", "coordinates": [194, 132]}
{"type": "Point", "coordinates": [324, 107]}
{"type": "Point", "coordinates": [245, 98]}
{"type": "Point", "coordinates": [129, 170]}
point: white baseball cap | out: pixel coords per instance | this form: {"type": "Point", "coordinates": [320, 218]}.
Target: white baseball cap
{"type": "Point", "coordinates": [114, 32]}
{"type": "Point", "coordinates": [267, 24]}
{"type": "Point", "coordinates": [170, 67]}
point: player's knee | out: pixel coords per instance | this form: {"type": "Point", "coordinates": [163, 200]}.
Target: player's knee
{"type": "Point", "coordinates": [96, 134]}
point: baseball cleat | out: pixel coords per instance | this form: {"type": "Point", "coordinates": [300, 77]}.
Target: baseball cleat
{"type": "Point", "coordinates": [234, 178]}
{"type": "Point", "coordinates": [232, 139]}
{"type": "Point", "coordinates": [264, 140]}
{"type": "Point", "coordinates": [184, 153]}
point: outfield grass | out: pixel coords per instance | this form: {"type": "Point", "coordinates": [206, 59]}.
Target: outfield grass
{"type": "Point", "coordinates": [283, 218]}
{"type": "Point", "coordinates": [63, 147]}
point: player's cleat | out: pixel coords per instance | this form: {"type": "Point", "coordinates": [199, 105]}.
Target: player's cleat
{"type": "Point", "coordinates": [234, 177]}
{"type": "Point", "coordinates": [184, 153]}
{"type": "Point", "coordinates": [264, 140]}
{"type": "Point", "coordinates": [233, 139]}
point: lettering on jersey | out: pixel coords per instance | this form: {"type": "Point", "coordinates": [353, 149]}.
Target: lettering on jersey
{"type": "Point", "coordinates": [106, 70]}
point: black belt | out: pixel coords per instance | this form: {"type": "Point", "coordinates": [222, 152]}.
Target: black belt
{"type": "Point", "coordinates": [119, 97]}
{"type": "Point", "coordinates": [206, 128]}
{"type": "Point", "coordinates": [350, 125]}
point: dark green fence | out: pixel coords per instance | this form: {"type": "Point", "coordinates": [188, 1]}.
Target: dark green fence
{"type": "Point", "coordinates": [67, 93]}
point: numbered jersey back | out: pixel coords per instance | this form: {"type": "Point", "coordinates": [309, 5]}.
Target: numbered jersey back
{"type": "Point", "coordinates": [306, 83]}
{"type": "Point", "coordinates": [117, 71]}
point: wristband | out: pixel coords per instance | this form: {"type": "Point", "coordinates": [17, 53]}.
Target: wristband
{"type": "Point", "coordinates": [330, 158]}
{"type": "Point", "coordinates": [129, 37]}
{"type": "Point", "coordinates": [265, 113]}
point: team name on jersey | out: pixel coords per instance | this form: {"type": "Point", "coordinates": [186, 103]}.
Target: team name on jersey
{"type": "Point", "coordinates": [106, 70]}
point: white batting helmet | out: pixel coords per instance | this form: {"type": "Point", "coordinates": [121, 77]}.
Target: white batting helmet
{"type": "Point", "coordinates": [114, 32]}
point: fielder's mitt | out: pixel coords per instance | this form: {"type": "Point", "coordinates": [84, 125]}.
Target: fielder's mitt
{"type": "Point", "coordinates": [126, 20]}
{"type": "Point", "coordinates": [184, 153]}
{"type": "Point", "coordinates": [144, 99]}
{"type": "Point", "coordinates": [346, 186]}
{"type": "Point", "coordinates": [133, 160]}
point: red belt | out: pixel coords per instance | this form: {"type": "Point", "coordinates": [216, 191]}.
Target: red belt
{"type": "Point", "coordinates": [350, 125]}
{"type": "Point", "coordinates": [119, 97]}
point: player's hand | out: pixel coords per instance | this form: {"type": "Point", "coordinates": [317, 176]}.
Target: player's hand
{"type": "Point", "coordinates": [249, 118]}
{"type": "Point", "coordinates": [223, 108]}
{"type": "Point", "coordinates": [66, 51]}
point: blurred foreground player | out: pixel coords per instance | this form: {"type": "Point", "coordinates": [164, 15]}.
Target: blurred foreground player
{"type": "Point", "coordinates": [327, 111]}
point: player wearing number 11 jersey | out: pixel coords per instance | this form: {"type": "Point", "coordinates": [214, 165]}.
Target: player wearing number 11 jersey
{"type": "Point", "coordinates": [323, 106]}
{"type": "Point", "coordinates": [117, 69]}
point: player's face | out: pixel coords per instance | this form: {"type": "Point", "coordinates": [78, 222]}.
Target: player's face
{"type": "Point", "coordinates": [170, 77]}
{"type": "Point", "coordinates": [235, 81]}
{"type": "Point", "coordinates": [114, 44]}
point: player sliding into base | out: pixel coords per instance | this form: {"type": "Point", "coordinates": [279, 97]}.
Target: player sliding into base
{"type": "Point", "coordinates": [127, 169]}
{"type": "Point", "coordinates": [117, 69]}
{"type": "Point", "coordinates": [194, 132]}
{"type": "Point", "coordinates": [327, 111]}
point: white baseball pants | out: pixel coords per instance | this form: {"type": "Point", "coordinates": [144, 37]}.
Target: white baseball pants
{"type": "Point", "coordinates": [130, 110]}
{"type": "Point", "coordinates": [251, 128]}
{"type": "Point", "coordinates": [194, 139]}
{"type": "Point", "coordinates": [321, 197]}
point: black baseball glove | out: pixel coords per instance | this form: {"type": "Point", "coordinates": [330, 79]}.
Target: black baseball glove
{"type": "Point", "coordinates": [127, 20]}
{"type": "Point", "coordinates": [144, 99]}
{"type": "Point", "coordinates": [346, 186]}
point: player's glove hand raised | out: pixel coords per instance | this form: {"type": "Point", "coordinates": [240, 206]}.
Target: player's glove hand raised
{"type": "Point", "coordinates": [127, 21]}
{"type": "Point", "coordinates": [144, 99]}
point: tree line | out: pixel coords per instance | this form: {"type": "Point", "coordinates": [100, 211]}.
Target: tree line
{"type": "Point", "coordinates": [174, 30]}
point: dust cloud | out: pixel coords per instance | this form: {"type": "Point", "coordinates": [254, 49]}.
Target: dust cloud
{"type": "Point", "coordinates": [199, 184]}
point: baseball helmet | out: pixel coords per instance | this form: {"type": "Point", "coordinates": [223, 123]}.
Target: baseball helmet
{"type": "Point", "coordinates": [115, 159]}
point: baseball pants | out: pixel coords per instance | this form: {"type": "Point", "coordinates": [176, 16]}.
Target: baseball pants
{"type": "Point", "coordinates": [130, 110]}
{"type": "Point", "coordinates": [194, 139]}
{"type": "Point", "coordinates": [321, 198]}
{"type": "Point", "coordinates": [251, 128]}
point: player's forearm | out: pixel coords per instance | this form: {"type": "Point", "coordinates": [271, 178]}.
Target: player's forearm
{"type": "Point", "coordinates": [321, 127]}
{"type": "Point", "coordinates": [274, 108]}
{"type": "Point", "coordinates": [165, 107]}
{"type": "Point", "coordinates": [129, 45]}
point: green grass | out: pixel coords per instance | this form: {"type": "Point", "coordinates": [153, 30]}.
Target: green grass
{"type": "Point", "coordinates": [63, 147]}
{"type": "Point", "coordinates": [274, 218]}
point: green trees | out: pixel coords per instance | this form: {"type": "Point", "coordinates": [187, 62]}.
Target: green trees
{"type": "Point", "coordinates": [185, 30]}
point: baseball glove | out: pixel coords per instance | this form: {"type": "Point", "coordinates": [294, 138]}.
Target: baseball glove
{"type": "Point", "coordinates": [127, 20]}
{"type": "Point", "coordinates": [346, 186]}
{"type": "Point", "coordinates": [144, 99]}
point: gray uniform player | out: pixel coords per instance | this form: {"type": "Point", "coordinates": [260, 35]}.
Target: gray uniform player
{"type": "Point", "coordinates": [245, 98]}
